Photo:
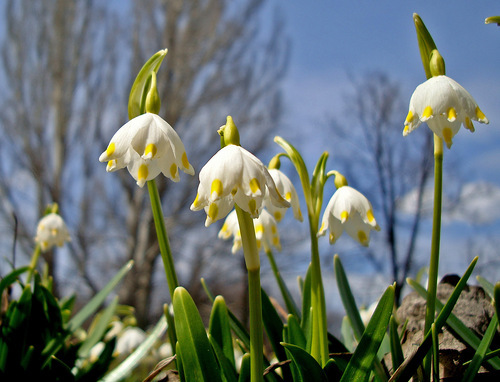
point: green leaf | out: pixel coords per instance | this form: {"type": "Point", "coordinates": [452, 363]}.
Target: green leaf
{"type": "Point", "coordinates": [348, 299]}
{"type": "Point", "coordinates": [456, 324]}
{"type": "Point", "coordinates": [410, 365]}
{"type": "Point", "coordinates": [425, 43]}
{"type": "Point", "coordinates": [359, 367]}
{"type": "Point", "coordinates": [306, 304]}
{"type": "Point", "coordinates": [137, 97]}
{"type": "Point", "coordinates": [98, 330]}
{"type": "Point", "coordinates": [220, 329]}
{"type": "Point", "coordinates": [125, 368]}
{"type": "Point", "coordinates": [496, 298]}
{"type": "Point", "coordinates": [396, 349]}
{"type": "Point", "coordinates": [196, 352]}
{"type": "Point", "coordinates": [294, 333]}
{"type": "Point", "coordinates": [11, 278]}
{"type": "Point", "coordinates": [94, 304]}
{"type": "Point", "coordinates": [227, 366]}
{"type": "Point", "coordinates": [237, 327]}
{"type": "Point", "coordinates": [480, 354]}
{"type": "Point", "coordinates": [245, 368]}
{"type": "Point", "coordinates": [306, 368]}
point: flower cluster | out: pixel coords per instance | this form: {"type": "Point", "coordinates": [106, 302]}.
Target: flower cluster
{"type": "Point", "coordinates": [444, 105]}
{"type": "Point", "coordinates": [234, 175]}
{"type": "Point", "coordinates": [51, 231]}
{"type": "Point", "coordinates": [147, 145]}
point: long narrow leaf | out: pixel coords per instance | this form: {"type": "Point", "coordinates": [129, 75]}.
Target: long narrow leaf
{"type": "Point", "coordinates": [348, 299]}
{"type": "Point", "coordinates": [478, 358]}
{"type": "Point", "coordinates": [456, 324]}
{"type": "Point", "coordinates": [408, 368]}
{"type": "Point", "coordinates": [99, 329]}
{"type": "Point", "coordinates": [396, 349]}
{"type": "Point", "coordinates": [220, 329]}
{"type": "Point", "coordinates": [124, 369]}
{"type": "Point", "coordinates": [196, 352]}
{"type": "Point", "coordinates": [306, 367]}
{"type": "Point", "coordinates": [98, 299]}
{"type": "Point", "coordinates": [359, 367]}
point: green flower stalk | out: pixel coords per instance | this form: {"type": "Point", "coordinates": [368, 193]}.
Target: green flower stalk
{"type": "Point", "coordinates": [445, 106]}
{"type": "Point", "coordinates": [147, 146]}
{"type": "Point", "coordinates": [234, 177]}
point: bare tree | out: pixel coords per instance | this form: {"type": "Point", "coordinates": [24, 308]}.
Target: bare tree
{"type": "Point", "coordinates": [385, 166]}
{"type": "Point", "coordinates": [55, 76]}
{"type": "Point", "coordinates": [64, 65]}
{"type": "Point", "coordinates": [217, 64]}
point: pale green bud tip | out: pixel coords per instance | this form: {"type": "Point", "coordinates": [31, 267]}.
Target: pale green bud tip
{"type": "Point", "coordinates": [229, 133]}
{"type": "Point", "coordinates": [340, 180]}
{"type": "Point", "coordinates": [436, 64]}
{"type": "Point", "coordinates": [275, 162]}
{"type": "Point", "coordinates": [153, 102]}
{"type": "Point", "coordinates": [492, 20]}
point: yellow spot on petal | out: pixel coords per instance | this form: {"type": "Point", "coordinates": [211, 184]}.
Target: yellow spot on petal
{"type": "Point", "coordinates": [409, 117]}
{"type": "Point", "coordinates": [427, 113]}
{"type": "Point", "coordinates": [254, 185]}
{"type": "Point", "coordinates": [259, 228]}
{"type": "Point", "coordinates": [185, 161]}
{"type": "Point", "coordinates": [322, 228]}
{"type": "Point", "coordinates": [370, 216]}
{"type": "Point", "coordinates": [224, 227]}
{"type": "Point", "coordinates": [480, 115]}
{"type": "Point", "coordinates": [452, 114]}
{"type": "Point", "coordinates": [216, 187]}
{"type": "Point", "coordinates": [447, 135]}
{"type": "Point", "coordinates": [150, 149]}
{"type": "Point", "coordinates": [406, 131]}
{"type": "Point", "coordinates": [277, 215]}
{"type": "Point", "coordinates": [332, 238]}
{"type": "Point", "coordinates": [53, 231]}
{"type": "Point", "coordinates": [276, 241]}
{"type": "Point", "coordinates": [273, 229]}
{"type": "Point", "coordinates": [173, 170]}
{"type": "Point", "coordinates": [196, 201]}
{"type": "Point", "coordinates": [259, 244]}
{"type": "Point", "coordinates": [288, 196]}
{"type": "Point", "coordinates": [111, 164]}
{"type": "Point", "coordinates": [469, 125]}
{"type": "Point", "coordinates": [344, 215]}
{"type": "Point", "coordinates": [213, 210]}
{"type": "Point", "coordinates": [234, 191]}
{"type": "Point", "coordinates": [143, 172]}
{"type": "Point", "coordinates": [362, 238]}
{"type": "Point", "coordinates": [111, 149]}
{"type": "Point", "coordinates": [252, 205]}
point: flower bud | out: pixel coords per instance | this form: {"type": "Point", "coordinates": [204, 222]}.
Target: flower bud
{"type": "Point", "coordinates": [275, 162]}
{"type": "Point", "coordinates": [229, 133]}
{"type": "Point", "coordinates": [436, 64]}
{"type": "Point", "coordinates": [153, 102]}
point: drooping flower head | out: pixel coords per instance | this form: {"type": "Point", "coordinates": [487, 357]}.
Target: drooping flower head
{"type": "Point", "coordinates": [147, 145]}
{"type": "Point", "coordinates": [234, 175]}
{"type": "Point", "coordinates": [287, 190]}
{"type": "Point", "coordinates": [349, 210]}
{"type": "Point", "coordinates": [266, 231]}
{"type": "Point", "coordinates": [444, 105]}
{"type": "Point", "coordinates": [51, 231]}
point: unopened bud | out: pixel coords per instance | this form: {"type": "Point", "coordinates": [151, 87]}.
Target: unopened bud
{"type": "Point", "coordinates": [436, 64]}
{"type": "Point", "coordinates": [153, 102]}
{"type": "Point", "coordinates": [229, 134]}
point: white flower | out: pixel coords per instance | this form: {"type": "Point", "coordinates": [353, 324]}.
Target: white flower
{"type": "Point", "coordinates": [350, 210]}
{"type": "Point", "coordinates": [147, 146]}
{"type": "Point", "coordinates": [266, 231]}
{"type": "Point", "coordinates": [445, 105]}
{"type": "Point", "coordinates": [129, 340]}
{"type": "Point", "coordinates": [285, 187]}
{"type": "Point", "coordinates": [234, 175]}
{"type": "Point", "coordinates": [51, 231]}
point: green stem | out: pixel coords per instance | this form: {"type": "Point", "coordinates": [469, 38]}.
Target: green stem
{"type": "Point", "coordinates": [161, 232]}
{"type": "Point", "coordinates": [34, 262]}
{"type": "Point", "coordinates": [319, 343]}
{"type": "Point", "coordinates": [435, 244]}
{"type": "Point", "coordinates": [252, 262]}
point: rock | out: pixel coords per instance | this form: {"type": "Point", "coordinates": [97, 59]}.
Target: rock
{"type": "Point", "coordinates": [473, 308]}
